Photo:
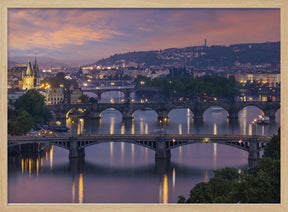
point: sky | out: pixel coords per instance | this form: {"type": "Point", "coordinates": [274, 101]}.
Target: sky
{"type": "Point", "coordinates": [92, 34]}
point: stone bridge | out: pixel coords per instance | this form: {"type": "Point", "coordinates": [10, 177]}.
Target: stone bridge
{"type": "Point", "coordinates": [126, 91]}
{"type": "Point", "coordinates": [128, 109]}
{"type": "Point", "coordinates": [160, 144]}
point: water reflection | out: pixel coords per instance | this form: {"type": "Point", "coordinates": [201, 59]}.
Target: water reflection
{"type": "Point", "coordinates": [114, 167]}
{"type": "Point", "coordinates": [96, 174]}
{"type": "Point", "coordinates": [180, 122]}
{"type": "Point", "coordinates": [81, 188]}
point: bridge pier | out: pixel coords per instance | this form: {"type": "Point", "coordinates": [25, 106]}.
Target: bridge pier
{"type": "Point", "coordinates": [98, 93]}
{"type": "Point", "coordinates": [94, 115]}
{"type": "Point", "coordinates": [74, 151]}
{"type": "Point", "coordinates": [161, 152]}
{"type": "Point", "coordinates": [233, 116]}
{"type": "Point", "coordinates": [253, 153]}
{"type": "Point", "coordinates": [76, 165]}
{"type": "Point", "coordinates": [198, 117]}
{"type": "Point", "coordinates": [162, 166]}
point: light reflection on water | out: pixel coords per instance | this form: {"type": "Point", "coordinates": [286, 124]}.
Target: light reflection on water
{"type": "Point", "coordinates": [127, 173]}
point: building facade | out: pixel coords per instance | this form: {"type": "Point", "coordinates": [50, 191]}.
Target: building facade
{"type": "Point", "coordinates": [55, 96]}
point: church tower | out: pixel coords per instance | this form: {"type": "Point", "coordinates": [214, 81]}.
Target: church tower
{"type": "Point", "coordinates": [36, 74]}
{"type": "Point", "coordinates": [28, 78]}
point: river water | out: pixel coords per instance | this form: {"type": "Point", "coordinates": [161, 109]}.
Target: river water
{"type": "Point", "coordinates": [127, 173]}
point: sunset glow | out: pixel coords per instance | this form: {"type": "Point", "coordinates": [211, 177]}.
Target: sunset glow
{"type": "Point", "coordinates": [70, 34]}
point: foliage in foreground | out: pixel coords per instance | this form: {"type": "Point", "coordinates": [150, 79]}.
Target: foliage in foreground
{"type": "Point", "coordinates": [29, 110]}
{"type": "Point", "coordinates": [260, 184]}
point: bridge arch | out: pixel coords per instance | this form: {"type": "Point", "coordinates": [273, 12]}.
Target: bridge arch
{"type": "Point", "coordinates": [147, 144]}
{"type": "Point", "coordinates": [217, 111]}
{"type": "Point", "coordinates": [173, 113]}
{"type": "Point", "coordinates": [78, 110]}
{"type": "Point", "coordinates": [121, 96]}
{"type": "Point", "coordinates": [110, 109]}
{"type": "Point", "coordinates": [243, 145]}
{"type": "Point", "coordinates": [243, 112]}
{"type": "Point", "coordinates": [150, 111]}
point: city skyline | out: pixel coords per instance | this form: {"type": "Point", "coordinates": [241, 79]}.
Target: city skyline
{"type": "Point", "coordinates": [92, 34]}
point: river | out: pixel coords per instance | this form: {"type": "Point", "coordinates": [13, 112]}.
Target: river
{"type": "Point", "coordinates": [127, 173]}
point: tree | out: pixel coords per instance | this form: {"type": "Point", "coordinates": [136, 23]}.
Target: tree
{"type": "Point", "coordinates": [34, 104]}
{"type": "Point", "coordinates": [272, 150]}
{"type": "Point", "coordinates": [260, 184]}
{"type": "Point", "coordinates": [93, 100]}
{"type": "Point", "coordinates": [22, 123]}
{"type": "Point", "coordinates": [84, 99]}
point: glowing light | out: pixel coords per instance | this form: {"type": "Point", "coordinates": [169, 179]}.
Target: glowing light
{"type": "Point", "coordinates": [81, 188]}
{"type": "Point", "coordinates": [141, 127]}
{"type": "Point", "coordinates": [133, 127]}
{"type": "Point", "coordinates": [206, 140]}
{"type": "Point", "coordinates": [73, 190]}
{"type": "Point", "coordinates": [112, 83]}
{"type": "Point", "coordinates": [180, 129]}
{"type": "Point", "coordinates": [142, 83]}
{"type": "Point", "coordinates": [214, 155]}
{"type": "Point", "coordinates": [112, 125]}
{"type": "Point", "coordinates": [22, 165]}
{"type": "Point", "coordinates": [123, 128]}
{"type": "Point", "coordinates": [146, 128]}
{"type": "Point", "coordinates": [37, 167]}
{"type": "Point", "coordinates": [30, 166]}
{"type": "Point", "coordinates": [51, 158]}
{"type": "Point", "coordinates": [173, 178]}
{"type": "Point", "coordinates": [165, 189]}
{"type": "Point", "coordinates": [215, 129]}
{"type": "Point", "coordinates": [250, 129]}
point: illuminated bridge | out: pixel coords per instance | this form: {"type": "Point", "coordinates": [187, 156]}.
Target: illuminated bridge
{"type": "Point", "coordinates": [128, 109]}
{"type": "Point", "coordinates": [160, 144]}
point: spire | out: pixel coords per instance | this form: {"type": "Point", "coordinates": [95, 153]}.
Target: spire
{"type": "Point", "coordinates": [36, 68]}
{"type": "Point", "coordinates": [29, 70]}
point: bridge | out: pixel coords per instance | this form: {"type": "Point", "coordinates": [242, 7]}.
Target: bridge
{"type": "Point", "coordinates": [126, 90]}
{"type": "Point", "coordinates": [94, 110]}
{"type": "Point", "coordinates": [160, 144]}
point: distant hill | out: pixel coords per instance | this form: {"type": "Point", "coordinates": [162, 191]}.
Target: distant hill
{"type": "Point", "coordinates": [43, 62]}
{"type": "Point", "coordinates": [200, 56]}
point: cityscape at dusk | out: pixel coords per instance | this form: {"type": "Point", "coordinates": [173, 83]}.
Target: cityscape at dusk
{"type": "Point", "coordinates": [144, 106]}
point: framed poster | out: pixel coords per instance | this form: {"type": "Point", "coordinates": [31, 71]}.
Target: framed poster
{"type": "Point", "coordinates": [124, 87]}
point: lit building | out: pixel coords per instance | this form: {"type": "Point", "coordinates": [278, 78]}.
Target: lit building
{"type": "Point", "coordinates": [28, 78]}
{"type": "Point", "coordinates": [55, 96]}
{"type": "Point", "coordinates": [31, 78]}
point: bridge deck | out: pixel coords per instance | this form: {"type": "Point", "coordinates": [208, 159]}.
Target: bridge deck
{"type": "Point", "coordinates": [147, 137]}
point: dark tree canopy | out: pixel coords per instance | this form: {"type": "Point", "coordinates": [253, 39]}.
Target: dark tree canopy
{"type": "Point", "coordinates": [272, 149]}
{"type": "Point", "coordinates": [21, 123]}
{"type": "Point", "coordinates": [34, 104]}
{"type": "Point", "coordinates": [260, 184]}
{"type": "Point", "coordinates": [199, 86]}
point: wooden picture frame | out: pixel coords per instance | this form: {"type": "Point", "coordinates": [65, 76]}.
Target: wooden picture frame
{"type": "Point", "coordinates": [6, 4]}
